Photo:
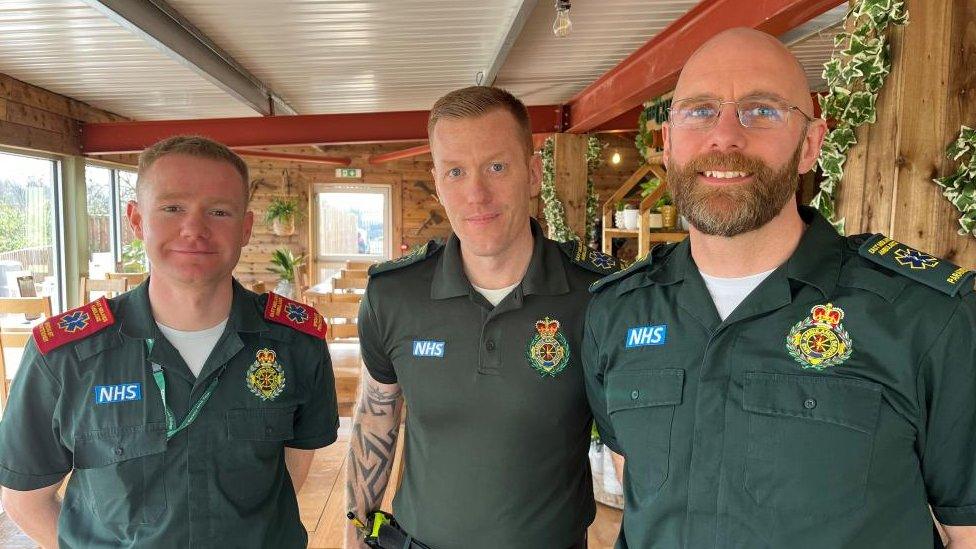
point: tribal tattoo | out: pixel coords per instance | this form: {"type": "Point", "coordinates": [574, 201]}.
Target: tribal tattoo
{"type": "Point", "coordinates": [372, 445]}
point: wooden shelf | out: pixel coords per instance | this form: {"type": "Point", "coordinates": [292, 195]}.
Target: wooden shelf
{"type": "Point", "coordinates": [644, 236]}
{"type": "Point", "coordinates": [667, 236]}
{"type": "Point", "coordinates": [620, 233]}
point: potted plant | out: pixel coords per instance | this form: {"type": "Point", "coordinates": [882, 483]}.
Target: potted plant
{"type": "Point", "coordinates": [618, 214]}
{"type": "Point", "coordinates": [631, 216]}
{"type": "Point", "coordinates": [281, 215]}
{"type": "Point", "coordinates": [669, 214]}
{"type": "Point", "coordinates": [285, 265]}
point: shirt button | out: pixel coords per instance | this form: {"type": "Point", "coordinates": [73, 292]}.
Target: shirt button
{"type": "Point", "coordinates": [490, 345]}
{"type": "Point", "coordinates": [635, 394]}
{"type": "Point", "coordinates": [119, 451]}
{"type": "Point", "coordinates": [267, 430]}
{"type": "Point", "coordinates": [809, 404]}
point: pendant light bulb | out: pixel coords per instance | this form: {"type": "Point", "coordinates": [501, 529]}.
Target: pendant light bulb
{"type": "Point", "coordinates": [562, 26]}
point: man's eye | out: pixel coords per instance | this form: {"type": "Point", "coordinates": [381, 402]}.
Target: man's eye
{"type": "Point", "coordinates": [170, 209]}
{"type": "Point", "coordinates": [454, 172]}
{"type": "Point", "coordinates": [700, 111]}
{"type": "Point", "coordinates": [762, 110]}
{"type": "Point", "coordinates": [496, 167]}
{"type": "Point", "coordinates": [220, 213]}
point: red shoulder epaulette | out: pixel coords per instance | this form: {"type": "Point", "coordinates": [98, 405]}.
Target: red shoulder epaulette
{"type": "Point", "coordinates": [72, 325]}
{"type": "Point", "coordinates": [296, 315]}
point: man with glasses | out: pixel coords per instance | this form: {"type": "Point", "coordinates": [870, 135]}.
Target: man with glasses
{"type": "Point", "coordinates": [770, 382]}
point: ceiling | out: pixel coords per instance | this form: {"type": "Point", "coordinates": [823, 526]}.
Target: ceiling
{"type": "Point", "coordinates": [342, 56]}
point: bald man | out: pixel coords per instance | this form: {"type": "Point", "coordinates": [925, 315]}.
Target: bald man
{"type": "Point", "coordinates": [770, 382]}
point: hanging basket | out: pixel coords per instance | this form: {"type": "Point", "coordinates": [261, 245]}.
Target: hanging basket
{"type": "Point", "coordinates": [283, 227]}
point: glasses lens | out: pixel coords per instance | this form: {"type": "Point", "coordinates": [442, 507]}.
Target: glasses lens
{"type": "Point", "coordinates": [762, 114]}
{"type": "Point", "coordinates": [695, 113]}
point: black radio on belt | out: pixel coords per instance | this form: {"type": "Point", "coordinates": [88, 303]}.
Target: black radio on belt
{"type": "Point", "coordinates": [383, 532]}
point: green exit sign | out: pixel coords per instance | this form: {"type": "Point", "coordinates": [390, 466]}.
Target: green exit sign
{"type": "Point", "coordinates": [349, 172]}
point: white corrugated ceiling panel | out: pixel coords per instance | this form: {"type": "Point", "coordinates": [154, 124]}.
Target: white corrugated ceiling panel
{"type": "Point", "coordinates": [543, 69]}
{"type": "Point", "coordinates": [71, 49]}
{"type": "Point", "coordinates": [335, 56]}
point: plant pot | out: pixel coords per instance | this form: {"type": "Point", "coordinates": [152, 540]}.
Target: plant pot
{"type": "Point", "coordinates": [655, 220]}
{"type": "Point", "coordinates": [283, 227]}
{"type": "Point", "coordinates": [669, 216]}
{"type": "Point", "coordinates": [285, 289]}
{"type": "Point", "coordinates": [631, 219]}
{"type": "Point", "coordinates": [618, 219]}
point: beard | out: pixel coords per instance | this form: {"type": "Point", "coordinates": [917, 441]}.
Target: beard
{"type": "Point", "coordinates": [738, 208]}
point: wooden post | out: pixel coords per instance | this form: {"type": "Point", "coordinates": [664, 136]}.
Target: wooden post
{"type": "Point", "coordinates": [929, 94]}
{"type": "Point", "coordinates": [569, 163]}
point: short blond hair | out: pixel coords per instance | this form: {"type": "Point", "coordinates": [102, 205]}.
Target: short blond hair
{"type": "Point", "coordinates": [475, 101]}
{"type": "Point", "coordinates": [193, 145]}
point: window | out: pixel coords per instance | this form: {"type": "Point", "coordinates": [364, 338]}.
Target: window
{"type": "Point", "coordinates": [112, 245]}
{"type": "Point", "coordinates": [353, 222]}
{"type": "Point", "coordinates": [30, 211]}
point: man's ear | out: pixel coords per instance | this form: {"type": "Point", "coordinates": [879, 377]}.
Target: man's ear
{"type": "Point", "coordinates": [812, 141]}
{"type": "Point", "coordinates": [135, 219]}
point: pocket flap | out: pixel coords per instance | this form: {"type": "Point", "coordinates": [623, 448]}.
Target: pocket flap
{"type": "Point", "coordinates": [640, 389]}
{"type": "Point", "coordinates": [95, 449]}
{"type": "Point", "coordinates": [261, 424]}
{"type": "Point", "coordinates": [851, 403]}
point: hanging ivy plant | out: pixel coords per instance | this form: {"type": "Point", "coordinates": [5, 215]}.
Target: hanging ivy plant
{"type": "Point", "coordinates": [960, 187]}
{"type": "Point", "coordinates": [855, 73]}
{"type": "Point", "coordinates": [656, 111]}
{"type": "Point", "coordinates": [552, 207]}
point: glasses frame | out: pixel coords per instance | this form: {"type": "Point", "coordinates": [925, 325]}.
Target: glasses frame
{"type": "Point", "coordinates": [738, 114]}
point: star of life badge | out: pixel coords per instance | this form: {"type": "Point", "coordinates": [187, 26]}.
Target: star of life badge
{"type": "Point", "coordinates": [265, 377]}
{"type": "Point", "coordinates": [820, 340]}
{"type": "Point", "coordinates": [548, 351]}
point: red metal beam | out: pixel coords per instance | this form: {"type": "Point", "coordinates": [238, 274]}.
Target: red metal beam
{"type": "Point", "coordinates": [537, 140]}
{"type": "Point", "coordinates": [653, 69]}
{"type": "Point", "coordinates": [310, 158]}
{"type": "Point", "coordinates": [399, 155]}
{"type": "Point", "coordinates": [271, 131]}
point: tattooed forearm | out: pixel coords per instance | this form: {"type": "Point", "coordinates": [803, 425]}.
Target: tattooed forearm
{"type": "Point", "coordinates": [372, 445]}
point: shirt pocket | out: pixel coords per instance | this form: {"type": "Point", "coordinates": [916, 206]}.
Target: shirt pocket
{"type": "Point", "coordinates": [261, 424]}
{"type": "Point", "coordinates": [810, 441]}
{"type": "Point", "coordinates": [641, 409]}
{"type": "Point", "coordinates": [254, 466]}
{"type": "Point", "coordinates": [121, 472]}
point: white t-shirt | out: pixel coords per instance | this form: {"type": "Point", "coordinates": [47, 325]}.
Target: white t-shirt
{"type": "Point", "coordinates": [495, 296]}
{"type": "Point", "coordinates": [728, 293]}
{"type": "Point", "coordinates": [194, 347]}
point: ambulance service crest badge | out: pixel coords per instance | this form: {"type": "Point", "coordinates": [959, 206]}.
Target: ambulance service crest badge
{"type": "Point", "coordinates": [820, 340]}
{"type": "Point", "coordinates": [548, 350]}
{"type": "Point", "coordinates": [265, 377]}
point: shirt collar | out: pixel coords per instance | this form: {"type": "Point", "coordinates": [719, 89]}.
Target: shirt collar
{"type": "Point", "coordinates": [817, 260]}
{"type": "Point", "coordinates": [137, 320]}
{"type": "Point", "coordinates": [545, 275]}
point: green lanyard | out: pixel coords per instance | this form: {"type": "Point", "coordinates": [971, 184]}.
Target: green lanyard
{"type": "Point", "coordinates": [191, 416]}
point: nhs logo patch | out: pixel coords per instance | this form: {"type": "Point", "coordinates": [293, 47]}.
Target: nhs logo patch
{"type": "Point", "coordinates": [123, 392]}
{"type": "Point", "coordinates": [428, 348]}
{"type": "Point", "coordinates": [642, 336]}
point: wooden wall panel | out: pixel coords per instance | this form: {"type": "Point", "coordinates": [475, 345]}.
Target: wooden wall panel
{"type": "Point", "coordinates": [926, 98]}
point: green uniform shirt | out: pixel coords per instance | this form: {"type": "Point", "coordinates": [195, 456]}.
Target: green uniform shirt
{"type": "Point", "coordinates": [498, 426]}
{"type": "Point", "coordinates": [91, 407]}
{"type": "Point", "coordinates": [792, 423]}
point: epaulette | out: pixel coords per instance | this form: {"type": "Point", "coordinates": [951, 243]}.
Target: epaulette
{"type": "Point", "coordinates": [591, 260]}
{"type": "Point", "coordinates": [73, 325]}
{"type": "Point", "coordinates": [417, 255]}
{"type": "Point", "coordinates": [293, 314]}
{"type": "Point", "coordinates": [638, 265]}
{"type": "Point", "coordinates": [918, 266]}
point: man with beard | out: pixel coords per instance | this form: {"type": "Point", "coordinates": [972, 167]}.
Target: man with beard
{"type": "Point", "coordinates": [770, 382]}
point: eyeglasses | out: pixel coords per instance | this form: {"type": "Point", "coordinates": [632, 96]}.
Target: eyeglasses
{"type": "Point", "coordinates": [701, 114]}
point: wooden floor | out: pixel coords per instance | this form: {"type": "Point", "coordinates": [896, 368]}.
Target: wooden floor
{"type": "Point", "coordinates": [321, 499]}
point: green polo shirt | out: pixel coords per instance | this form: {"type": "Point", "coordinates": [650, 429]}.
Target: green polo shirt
{"type": "Point", "coordinates": [498, 425]}
{"type": "Point", "coordinates": [830, 409]}
{"type": "Point", "coordinates": [221, 482]}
